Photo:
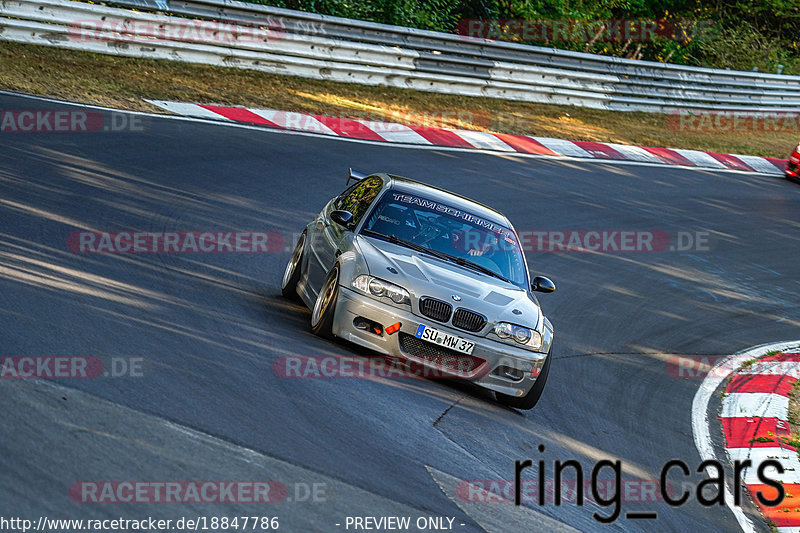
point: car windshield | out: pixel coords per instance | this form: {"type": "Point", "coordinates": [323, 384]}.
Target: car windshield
{"type": "Point", "coordinates": [438, 227]}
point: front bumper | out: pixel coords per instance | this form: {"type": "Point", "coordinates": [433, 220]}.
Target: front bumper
{"type": "Point", "coordinates": [494, 365]}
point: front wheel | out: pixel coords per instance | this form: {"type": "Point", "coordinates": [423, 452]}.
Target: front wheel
{"type": "Point", "coordinates": [291, 275]}
{"type": "Point", "coordinates": [532, 398]}
{"type": "Point", "coordinates": [325, 306]}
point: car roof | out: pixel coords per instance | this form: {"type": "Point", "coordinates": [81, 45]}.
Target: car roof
{"type": "Point", "coordinates": [452, 199]}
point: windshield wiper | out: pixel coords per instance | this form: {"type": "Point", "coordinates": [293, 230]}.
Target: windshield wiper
{"type": "Point", "coordinates": [436, 253]}
{"type": "Point", "coordinates": [467, 263]}
{"type": "Point", "coordinates": [480, 268]}
{"type": "Point", "coordinates": [408, 244]}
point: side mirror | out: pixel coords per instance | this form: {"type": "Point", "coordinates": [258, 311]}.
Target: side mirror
{"type": "Point", "coordinates": [542, 284]}
{"type": "Point", "coordinates": [342, 217]}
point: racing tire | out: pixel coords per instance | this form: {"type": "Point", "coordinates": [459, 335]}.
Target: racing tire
{"type": "Point", "coordinates": [325, 306]}
{"type": "Point", "coordinates": [532, 398]}
{"type": "Point", "coordinates": [291, 275]}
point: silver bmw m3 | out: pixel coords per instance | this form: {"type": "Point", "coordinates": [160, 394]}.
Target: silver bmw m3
{"type": "Point", "coordinates": [435, 279]}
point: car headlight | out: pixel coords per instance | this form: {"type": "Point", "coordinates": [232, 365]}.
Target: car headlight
{"type": "Point", "coordinates": [524, 337]}
{"type": "Point", "coordinates": [381, 289]}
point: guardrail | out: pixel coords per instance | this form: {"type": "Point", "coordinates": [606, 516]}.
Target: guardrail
{"type": "Point", "coordinates": [281, 41]}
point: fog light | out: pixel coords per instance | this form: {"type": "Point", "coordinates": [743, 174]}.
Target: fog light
{"type": "Point", "coordinates": [393, 328]}
{"type": "Point", "coordinates": [365, 324]}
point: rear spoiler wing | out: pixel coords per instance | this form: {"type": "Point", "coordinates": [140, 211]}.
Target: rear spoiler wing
{"type": "Point", "coordinates": [355, 175]}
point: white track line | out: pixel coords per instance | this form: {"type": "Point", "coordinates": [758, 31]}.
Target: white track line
{"type": "Point", "coordinates": [700, 426]}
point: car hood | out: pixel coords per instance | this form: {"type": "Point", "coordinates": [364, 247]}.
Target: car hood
{"type": "Point", "coordinates": [424, 275]}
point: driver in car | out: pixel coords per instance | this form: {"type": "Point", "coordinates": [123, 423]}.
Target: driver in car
{"type": "Point", "coordinates": [469, 242]}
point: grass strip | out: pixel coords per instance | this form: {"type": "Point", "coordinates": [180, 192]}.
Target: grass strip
{"type": "Point", "coordinates": [125, 83]}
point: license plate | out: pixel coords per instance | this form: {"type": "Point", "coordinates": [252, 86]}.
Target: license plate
{"type": "Point", "coordinates": [445, 340]}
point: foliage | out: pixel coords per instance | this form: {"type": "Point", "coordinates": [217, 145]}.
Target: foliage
{"type": "Point", "coordinates": [437, 15]}
{"type": "Point", "coordinates": [735, 34]}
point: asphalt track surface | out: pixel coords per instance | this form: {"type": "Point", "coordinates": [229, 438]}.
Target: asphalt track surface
{"type": "Point", "coordinates": [209, 327]}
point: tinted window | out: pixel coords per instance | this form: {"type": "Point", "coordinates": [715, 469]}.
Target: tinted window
{"type": "Point", "coordinates": [339, 199]}
{"type": "Point", "coordinates": [359, 199]}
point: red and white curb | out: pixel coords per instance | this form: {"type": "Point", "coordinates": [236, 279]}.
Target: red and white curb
{"type": "Point", "coordinates": [755, 404]}
{"type": "Point", "coordinates": [390, 132]}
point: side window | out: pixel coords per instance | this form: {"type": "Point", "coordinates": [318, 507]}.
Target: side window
{"type": "Point", "coordinates": [360, 198]}
{"type": "Point", "coordinates": [337, 204]}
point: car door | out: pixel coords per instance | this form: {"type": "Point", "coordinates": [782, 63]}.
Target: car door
{"type": "Point", "coordinates": [329, 239]}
